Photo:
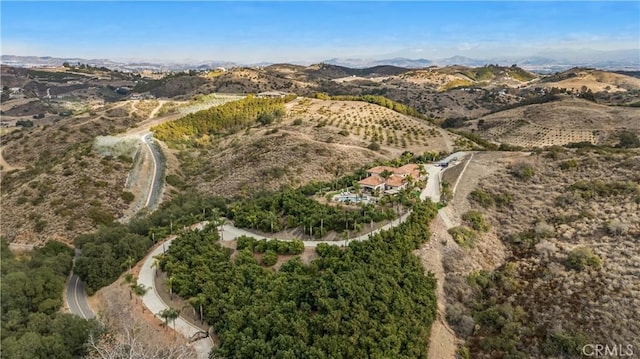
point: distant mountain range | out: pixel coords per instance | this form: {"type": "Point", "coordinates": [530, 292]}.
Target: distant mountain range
{"type": "Point", "coordinates": [548, 61]}
{"type": "Point", "coordinates": [35, 61]}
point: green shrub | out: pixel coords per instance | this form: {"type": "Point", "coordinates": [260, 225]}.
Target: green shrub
{"type": "Point", "coordinates": [127, 196]}
{"type": "Point", "coordinates": [100, 216]}
{"type": "Point", "coordinates": [483, 198]}
{"type": "Point", "coordinates": [175, 181]}
{"type": "Point", "coordinates": [581, 257]}
{"type": "Point", "coordinates": [628, 140]}
{"type": "Point", "coordinates": [243, 242]}
{"type": "Point", "coordinates": [526, 239]}
{"type": "Point", "coordinates": [476, 220]}
{"type": "Point", "coordinates": [522, 171]}
{"type": "Point", "coordinates": [463, 353]}
{"type": "Point", "coordinates": [269, 258]}
{"type": "Point", "coordinates": [568, 164]}
{"type": "Point", "coordinates": [374, 146]}
{"type": "Point", "coordinates": [561, 343]}
{"type": "Point", "coordinates": [464, 236]}
{"type": "Point", "coordinates": [297, 122]}
{"type": "Point", "coordinates": [503, 199]}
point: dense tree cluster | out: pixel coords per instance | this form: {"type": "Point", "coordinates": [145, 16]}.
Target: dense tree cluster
{"type": "Point", "coordinates": [370, 299]}
{"type": "Point", "coordinates": [32, 326]}
{"type": "Point", "coordinates": [292, 209]}
{"type": "Point", "coordinates": [223, 119]}
{"type": "Point", "coordinates": [106, 253]}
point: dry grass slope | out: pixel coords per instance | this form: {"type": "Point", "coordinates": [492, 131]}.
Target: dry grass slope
{"type": "Point", "coordinates": [540, 221]}
{"type": "Point", "coordinates": [558, 123]}
{"type": "Point", "coordinates": [316, 140]}
{"type": "Point", "coordinates": [597, 81]}
{"type": "Point", "coordinates": [64, 187]}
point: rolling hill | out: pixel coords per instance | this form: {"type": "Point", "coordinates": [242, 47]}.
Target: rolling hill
{"type": "Point", "coordinates": [317, 140]}
{"type": "Point", "coordinates": [558, 123]}
{"type": "Point", "coordinates": [595, 80]}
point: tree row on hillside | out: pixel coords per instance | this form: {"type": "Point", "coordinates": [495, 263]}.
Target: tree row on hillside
{"type": "Point", "coordinates": [292, 209]}
{"type": "Point", "coordinates": [370, 299]}
{"type": "Point", "coordinates": [376, 100]}
{"type": "Point", "coordinates": [220, 120]}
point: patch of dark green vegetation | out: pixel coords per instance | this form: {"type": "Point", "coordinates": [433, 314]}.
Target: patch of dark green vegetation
{"type": "Point", "coordinates": [105, 253]}
{"type": "Point", "coordinates": [221, 120]}
{"type": "Point", "coordinates": [292, 209]}
{"type": "Point", "coordinates": [32, 325]}
{"type": "Point", "coordinates": [370, 299]}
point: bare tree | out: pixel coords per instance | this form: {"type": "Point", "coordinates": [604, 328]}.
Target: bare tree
{"type": "Point", "coordinates": [126, 343]}
{"type": "Point", "coordinates": [128, 337]}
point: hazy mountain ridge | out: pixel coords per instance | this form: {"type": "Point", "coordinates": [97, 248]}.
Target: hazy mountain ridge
{"type": "Point", "coordinates": [545, 61]}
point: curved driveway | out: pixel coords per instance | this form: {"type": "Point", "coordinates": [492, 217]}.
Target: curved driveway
{"type": "Point", "coordinates": [155, 304]}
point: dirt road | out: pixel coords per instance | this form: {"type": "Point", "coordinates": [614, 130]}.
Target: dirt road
{"type": "Point", "coordinates": [5, 166]}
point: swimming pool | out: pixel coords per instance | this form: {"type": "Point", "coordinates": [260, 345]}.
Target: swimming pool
{"type": "Point", "coordinates": [353, 198]}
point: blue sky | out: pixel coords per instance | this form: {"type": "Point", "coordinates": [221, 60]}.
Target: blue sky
{"type": "Point", "coordinates": [313, 31]}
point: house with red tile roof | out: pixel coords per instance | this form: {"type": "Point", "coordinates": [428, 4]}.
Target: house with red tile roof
{"type": "Point", "coordinates": [398, 178]}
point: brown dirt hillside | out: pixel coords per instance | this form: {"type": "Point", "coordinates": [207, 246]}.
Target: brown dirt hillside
{"type": "Point", "coordinates": [330, 140]}
{"type": "Point", "coordinates": [62, 187]}
{"type": "Point", "coordinates": [254, 80]}
{"type": "Point", "coordinates": [557, 123]}
{"type": "Point", "coordinates": [596, 80]}
{"type": "Point", "coordinates": [530, 301]}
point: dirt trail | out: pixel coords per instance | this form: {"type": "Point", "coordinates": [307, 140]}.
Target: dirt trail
{"type": "Point", "coordinates": [5, 166]}
{"type": "Point", "coordinates": [104, 110]}
{"type": "Point", "coordinates": [446, 136]}
{"type": "Point", "coordinates": [443, 341]}
{"type": "Point", "coordinates": [155, 110]}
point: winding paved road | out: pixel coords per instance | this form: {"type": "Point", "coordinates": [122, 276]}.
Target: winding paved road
{"type": "Point", "coordinates": [155, 304]}
{"type": "Point", "coordinates": [156, 181]}
{"type": "Point", "coordinates": [77, 297]}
